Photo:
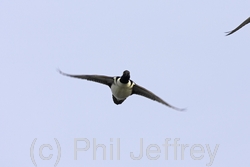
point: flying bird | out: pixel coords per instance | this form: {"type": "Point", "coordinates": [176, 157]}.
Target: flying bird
{"type": "Point", "coordinates": [121, 87]}
{"type": "Point", "coordinates": [239, 27]}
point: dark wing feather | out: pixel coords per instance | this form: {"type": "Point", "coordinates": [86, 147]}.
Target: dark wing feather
{"type": "Point", "coordinates": [146, 93]}
{"type": "Point", "coordinates": [106, 80]}
{"type": "Point", "coordinates": [239, 27]}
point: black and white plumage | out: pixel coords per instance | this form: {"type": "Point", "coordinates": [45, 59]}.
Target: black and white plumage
{"type": "Point", "coordinates": [239, 27]}
{"type": "Point", "coordinates": [122, 87]}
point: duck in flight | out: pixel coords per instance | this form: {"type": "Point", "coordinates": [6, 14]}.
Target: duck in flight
{"type": "Point", "coordinates": [239, 27]}
{"type": "Point", "coordinates": [121, 87]}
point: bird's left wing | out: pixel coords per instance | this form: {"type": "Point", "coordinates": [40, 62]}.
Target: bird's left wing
{"type": "Point", "coordinates": [239, 27]}
{"type": "Point", "coordinates": [106, 80]}
{"type": "Point", "coordinates": [146, 93]}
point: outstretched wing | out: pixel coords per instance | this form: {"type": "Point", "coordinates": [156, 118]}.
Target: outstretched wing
{"type": "Point", "coordinates": [106, 80]}
{"type": "Point", "coordinates": [146, 93]}
{"type": "Point", "coordinates": [239, 27]}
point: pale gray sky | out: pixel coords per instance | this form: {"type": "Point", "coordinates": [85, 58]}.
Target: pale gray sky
{"type": "Point", "coordinates": [178, 50]}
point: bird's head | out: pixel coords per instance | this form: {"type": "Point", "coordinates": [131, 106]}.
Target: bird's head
{"type": "Point", "coordinates": [125, 76]}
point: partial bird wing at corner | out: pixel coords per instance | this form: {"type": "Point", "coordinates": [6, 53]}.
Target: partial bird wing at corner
{"type": "Point", "coordinates": [146, 93]}
{"type": "Point", "coordinates": [239, 27]}
{"type": "Point", "coordinates": [106, 80]}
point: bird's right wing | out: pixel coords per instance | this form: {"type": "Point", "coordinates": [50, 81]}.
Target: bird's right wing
{"type": "Point", "coordinates": [146, 93]}
{"type": "Point", "coordinates": [106, 80]}
{"type": "Point", "coordinates": [239, 27]}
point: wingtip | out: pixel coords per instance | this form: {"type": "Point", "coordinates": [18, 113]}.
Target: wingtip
{"type": "Point", "coordinates": [60, 72]}
{"type": "Point", "coordinates": [228, 33]}
{"type": "Point", "coordinates": [181, 109]}
{"type": "Point", "coordinates": [178, 109]}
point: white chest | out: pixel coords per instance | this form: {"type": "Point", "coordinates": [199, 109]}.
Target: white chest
{"type": "Point", "coordinates": [121, 91]}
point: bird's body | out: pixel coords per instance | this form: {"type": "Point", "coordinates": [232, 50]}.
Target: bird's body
{"type": "Point", "coordinates": [122, 87]}
{"type": "Point", "coordinates": [239, 27]}
{"type": "Point", "coordinates": [121, 90]}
